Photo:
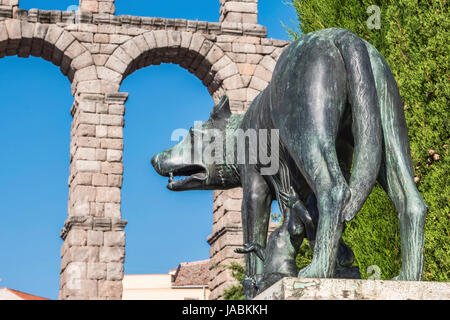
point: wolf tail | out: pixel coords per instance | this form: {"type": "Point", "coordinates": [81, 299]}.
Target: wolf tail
{"type": "Point", "coordinates": [366, 122]}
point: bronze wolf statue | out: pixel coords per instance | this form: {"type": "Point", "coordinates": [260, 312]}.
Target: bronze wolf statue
{"type": "Point", "coordinates": [338, 114]}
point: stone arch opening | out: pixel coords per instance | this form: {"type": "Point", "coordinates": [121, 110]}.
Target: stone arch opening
{"type": "Point", "coordinates": [58, 46]}
{"type": "Point", "coordinates": [34, 136]}
{"type": "Point", "coordinates": [192, 51]}
{"type": "Point", "coordinates": [48, 5]}
{"type": "Point", "coordinates": [50, 42]}
{"type": "Point", "coordinates": [157, 217]}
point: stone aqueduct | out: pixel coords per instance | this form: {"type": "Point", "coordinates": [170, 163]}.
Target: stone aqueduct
{"type": "Point", "coordinates": [96, 50]}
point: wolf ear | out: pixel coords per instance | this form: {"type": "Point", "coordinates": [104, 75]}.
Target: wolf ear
{"type": "Point", "coordinates": [222, 109]}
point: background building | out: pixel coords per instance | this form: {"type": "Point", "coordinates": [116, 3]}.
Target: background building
{"type": "Point", "coordinates": [10, 294]}
{"type": "Point", "coordinates": [189, 281]}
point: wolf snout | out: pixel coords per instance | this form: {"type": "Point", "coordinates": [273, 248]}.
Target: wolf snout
{"type": "Point", "coordinates": [155, 163]}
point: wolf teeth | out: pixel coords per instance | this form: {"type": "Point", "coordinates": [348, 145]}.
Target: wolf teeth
{"type": "Point", "coordinates": [171, 177]}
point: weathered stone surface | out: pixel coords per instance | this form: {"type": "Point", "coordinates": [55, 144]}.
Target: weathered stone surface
{"type": "Point", "coordinates": [237, 94]}
{"type": "Point", "coordinates": [112, 254]}
{"type": "Point", "coordinates": [233, 82]}
{"type": "Point", "coordinates": [115, 271]}
{"type": "Point", "coordinates": [89, 5]}
{"type": "Point", "coordinates": [94, 238]}
{"type": "Point", "coordinates": [115, 180]}
{"type": "Point", "coordinates": [258, 84]}
{"type": "Point", "coordinates": [111, 120]}
{"type": "Point", "coordinates": [88, 166]}
{"type": "Point", "coordinates": [79, 208]}
{"type": "Point", "coordinates": [268, 63]}
{"type": "Point", "coordinates": [131, 49]}
{"type": "Point", "coordinates": [96, 51]}
{"type": "Point", "coordinates": [112, 167]}
{"type": "Point", "coordinates": [117, 109]}
{"type": "Point", "coordinates": [114, 239]}
{"type": "Point", "coordinates": [228, 71]}
{"type": "Point", "coordinates": [346, 289]}
{"type": "Point", "coordinates": [114, 155]}
{"type": "Point", "coordinates": [99, 179]}
{"type": "Point", "coordinates": [83, 254]}
{"type": "Point", "coordinates": [76, 238]}
{"type": "Point", "coordinates": [96, 271]}
{"type": "Point", "coordinates": [88, 71]}
{"type": "Point", "coordinates": [86, 106]}
{"type": "Point", "coordinates": [262, 73]}
{"type": "Point", "coordinates": [74, 50]}
{"type": "Point", "coordinates": [115, 132]}
{"type": "Point", "coordinates": [112, 210]}
{"type": "Point", "coordinates": [232, 204]}
{"type": "Point", "coordinates": [80, 289]}
{"type": "Point", "coordinates": [100, 154]}
{"type": "Point", "coordinates": [82, 61]}
{"type": "Point", "coordinates": [83, 193]}
{"type": "Point", "coordinates": [109, 288]}
{"type": "Point", "coordinates": [108, 194]}
{"type": "Point", "coordinates": [13, 28]}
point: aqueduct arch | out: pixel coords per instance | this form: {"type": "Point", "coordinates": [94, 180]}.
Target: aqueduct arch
{"type": "Point", "coordinates": [192, 51]}
{"type": "Point", "coordinates": [96, 50]}
{"type": "Point", "coordinates": [50, 42]}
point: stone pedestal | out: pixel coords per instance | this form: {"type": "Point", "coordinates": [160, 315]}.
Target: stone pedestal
{"type": "Point", "coordinates": [350, 289]}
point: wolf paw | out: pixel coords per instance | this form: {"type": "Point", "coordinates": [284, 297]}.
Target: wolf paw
{"type": "Point", "coordinates": [252, 247]}
{"type": "Point", "coordinates": [400, 277]}
{"type": "Point", "coordinates": [249, 285]}
{"type": "Point", "coordinates": [247, 248]}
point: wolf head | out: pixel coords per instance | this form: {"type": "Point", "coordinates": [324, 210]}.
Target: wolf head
{"type": "Point", "coordinates": [198, 157]}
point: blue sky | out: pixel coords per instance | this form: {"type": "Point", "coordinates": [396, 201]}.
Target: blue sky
{"type": "Point", "coordinates": [164, 228]}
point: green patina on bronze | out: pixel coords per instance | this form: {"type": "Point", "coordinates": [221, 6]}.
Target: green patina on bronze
{"type": "Point", "coordinates": [341, 128]}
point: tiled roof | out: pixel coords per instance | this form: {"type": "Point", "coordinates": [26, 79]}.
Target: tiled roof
{"type": "Point", "coordinates": [25, 296]}
{"type": "Point", "coordinates": [192, 274]}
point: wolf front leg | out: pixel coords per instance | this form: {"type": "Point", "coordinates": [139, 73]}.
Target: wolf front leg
{"type": "Point", "coordinates": [256, 206]}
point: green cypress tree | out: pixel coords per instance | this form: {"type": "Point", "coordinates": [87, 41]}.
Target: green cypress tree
{"type": "Point", "coordinates": [414, 38]}
{"type": "Point", "coordinates": [236, 291]}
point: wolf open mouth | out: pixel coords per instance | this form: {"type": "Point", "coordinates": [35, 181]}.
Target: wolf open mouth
{"type": "Point", "coordinates": [194, 175]}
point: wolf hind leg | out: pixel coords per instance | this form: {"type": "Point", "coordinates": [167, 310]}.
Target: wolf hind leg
{"type": "Point", "coordinates": [332, 193]}
{"type": "Point", "coordinates": [345, 257]}
{"type": "Point", "coordinates": [309, 111]}
{"type": "Point", "coordinates": [396, 175]}
{"type": "Point", "coordinates": [412, 211]}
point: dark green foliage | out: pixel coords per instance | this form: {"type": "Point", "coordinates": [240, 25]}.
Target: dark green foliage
{"type": "Point", "coordinates": [374, 236]}
{"type": "Point", "coordinates": [235, 292]}
{"type": "Point", "coordinates": [414, 39]}
{"type": "Point", "coordinates": [304, 256]}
